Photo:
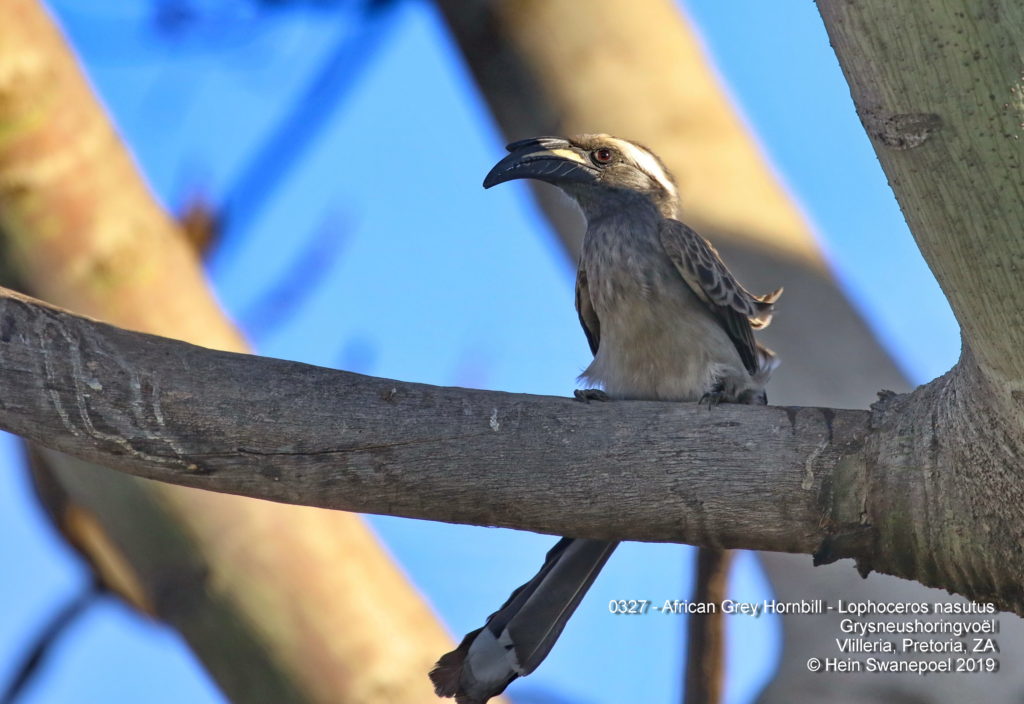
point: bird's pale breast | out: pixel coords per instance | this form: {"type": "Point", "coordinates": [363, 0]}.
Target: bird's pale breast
{"type": "Point", "coordinates": [658, 341]}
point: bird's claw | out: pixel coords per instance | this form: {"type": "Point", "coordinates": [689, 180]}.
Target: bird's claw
{"type": "Point", "coordinates": [713, 397]}
{"type": "Point", "coordinates": [588, 395]}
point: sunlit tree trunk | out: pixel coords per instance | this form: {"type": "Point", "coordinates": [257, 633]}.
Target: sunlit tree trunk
{"type": "Point", "coordinates": [281, 603]}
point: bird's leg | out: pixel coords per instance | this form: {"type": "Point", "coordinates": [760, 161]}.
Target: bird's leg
{"type": "Point", "coordinates": [714, 395]}
{"type": "Point", "coordinates": [588, 395]}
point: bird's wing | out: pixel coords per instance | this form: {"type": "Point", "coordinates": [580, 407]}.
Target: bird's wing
{"type": "Point", "coordinates": [585, 309]}
{"type": "Point", "coordinates": [702, 269]}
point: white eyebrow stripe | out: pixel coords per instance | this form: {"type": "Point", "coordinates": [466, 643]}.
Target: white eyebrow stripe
{"type": "Point", "coordinates": [647, 163]}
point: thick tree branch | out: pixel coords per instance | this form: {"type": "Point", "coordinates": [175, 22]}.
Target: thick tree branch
{"type": "Point", "coordinates": [896, 488]}
{"type": "Point", "coordinates": [830, 482]}
{"type": "Point", "coordinates": [939, 89]}
{"type": "Point", "coordinates": [289, 432]}
{"type": "Point", "coordinates": [920, 487]}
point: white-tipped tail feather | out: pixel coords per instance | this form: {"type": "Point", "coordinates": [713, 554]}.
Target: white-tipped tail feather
{"type": "Point", "coordinates": [518, 636]}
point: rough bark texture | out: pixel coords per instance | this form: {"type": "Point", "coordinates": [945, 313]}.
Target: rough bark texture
{"type": "Point", "coordinates": [281, 603]}
{"type": "Point", "coordinates": [896, 489]}
{"type": "Point", "coordinates": [290, 432]}
{"type": "Point", "coordinates": [938, 86]}
{"type": "Point", "coordinates": [636, 69]}
{"type": "Point", "coordinates": [946, 448]}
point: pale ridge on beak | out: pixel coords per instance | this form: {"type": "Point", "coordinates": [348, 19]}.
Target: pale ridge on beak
{"type": "Point", "coordinates": [549, 159]}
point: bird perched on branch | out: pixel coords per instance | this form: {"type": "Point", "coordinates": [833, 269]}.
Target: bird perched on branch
{"type": "Point", "coordinates": [665, 320]}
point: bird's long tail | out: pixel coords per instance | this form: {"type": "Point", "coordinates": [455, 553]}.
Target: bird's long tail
{"type": "Point", "coordinates": [518, 636]}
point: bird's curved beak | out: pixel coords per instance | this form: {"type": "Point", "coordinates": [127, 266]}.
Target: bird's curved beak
{"type": "Point", "coordinates": [550, 159]}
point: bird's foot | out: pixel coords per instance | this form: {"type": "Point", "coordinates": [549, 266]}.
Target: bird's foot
{"type": "Point", "coordinates": [713, 396]}
{"type": "Point", "coordinates": [588, 395]}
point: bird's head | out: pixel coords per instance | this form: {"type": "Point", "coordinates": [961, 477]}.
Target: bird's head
{"type": "Point", "coordinates": [596, 170]}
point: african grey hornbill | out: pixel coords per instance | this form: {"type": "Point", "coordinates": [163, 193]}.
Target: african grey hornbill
{"type": "Point", "coordinates": [665, 321]}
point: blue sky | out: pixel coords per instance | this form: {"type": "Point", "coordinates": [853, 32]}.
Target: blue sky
{"type": "Point", "coordinates": [417, 273]}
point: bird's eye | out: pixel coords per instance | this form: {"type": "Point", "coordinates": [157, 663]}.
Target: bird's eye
{"type": "Point", "coordinates": [602, 156]}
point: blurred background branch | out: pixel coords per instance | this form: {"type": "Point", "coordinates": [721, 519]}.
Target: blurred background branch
{"type": "Point", "coordinates": [637, 70]}
{"type": "Point", "coordinates": [286, 586]}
